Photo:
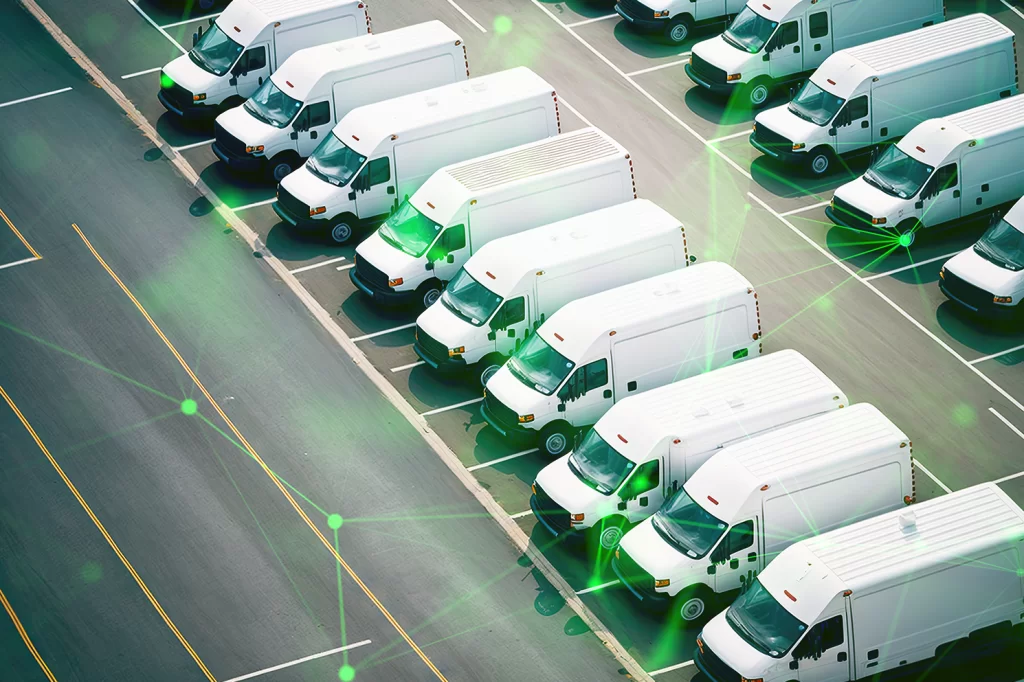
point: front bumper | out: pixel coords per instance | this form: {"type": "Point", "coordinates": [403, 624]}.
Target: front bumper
{"type": "Point", "coordinates": [858, 225]}
{"type": "Point", "coordinates": [518, 435]}
{"type": "Point", "coordinates": [308, 224]}
{"type": "Point", "coordinates": [653, 25]}
{"type": "Point", "coordinates": [991, 310]}
{"type": "Point", "coordinates": [790, 158]}
{"type": "Point", "coordinates": [572, 535]}
{"type": "Point", "coordinates": [448, 365]}
{"type": "Point", "coordinates": [655, 600]}
{"type": "Point", "coordinates": [385, 297]}
{"type": "Point", "coordinates": [191, 112]}
{"type": "Point", "coordinates": [247, 163]}
{"type": "Point", "coordinates": [723, 89]}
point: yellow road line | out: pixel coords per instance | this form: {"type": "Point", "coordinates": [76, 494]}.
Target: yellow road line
{"type": "Point", "coordinates": [103, 530]}
{"type": "Point", "coordinates": [323, 539]}
{"type": "Point", "coordinates": [18, 235]}
{"type": "Point", "coordinates": [25, 638]}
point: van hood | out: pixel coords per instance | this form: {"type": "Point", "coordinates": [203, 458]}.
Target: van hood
{"type": "Point", "coordinates": [981, 272]}
{"type": "Point", "coordinates": [795, 129]}
{"type": "Point", "coordinates": [247, 127]}
{"type": "Point", "coordinates": [572, 494]}
{"type": "Point", "coordinates": [185, 73]}
{"type": "Point", "coordinates": [860, 194]}
{"type": "Point", "coordinates": [390, 260]}
{"type": "Point", "coordinates": [309, 189]}
{"type": "Point", "coordinates": [656, 556]}
{"type": "Point", "coordinates": [445, 326]}
{"type": "Point", "coordinates": [734, 650]}
{"type": "Point", "coordinates": [514, 394]}
{"type": "Point", "coordinates": [719, 53]}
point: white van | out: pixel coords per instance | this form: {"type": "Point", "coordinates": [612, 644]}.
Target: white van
{"type": "Point", "coordinates": [988, 278]}
{"type": "Point", "coordinates": [776, 41]}
{"type": "Point", "coordinates": [757, 497]}
{"type": "Point", "coordinates": [646, 446]}
{"type": "Point", "coordinates": [602, 348]}
{"type": "Point", "coordinates": [380, 153]}
{"type": "Point", "coordinates": [282, 123]}
{"type": "Point", "coordinates": [674, 20]}
{"type": "Point", "coordinates": [245, 44]}
{"type": "Point", "coordinates": [944, 169]}
{"type": "Point", "coordinates": [942, 578]}
{"type": "Point", "coordinates": [513, 284]}
{"type": "Point", "coordinates": [874, 93]}
{"type": "Point", "coordinates": [464, 206]}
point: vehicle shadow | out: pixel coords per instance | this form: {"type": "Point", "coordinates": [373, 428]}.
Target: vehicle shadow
{"type": "Point", "coordinates": [290, 245]}
{"type": "Point", "coordinates": [179, 133]}
{"type": "Point", "coordinates": [981, 334]}
{"type": "Point", "coordinates": [722, 111]}
{"type": "Point", "coordinates": [789, 183]}
{"type": "Point", "coordinates": [235, 189]}
{"type": "Point", "coordinates": [370, 318]}
{"type": "Point", "coordinates": [652, 45]}
{"type": "Point", "coordinates": [585, 8]}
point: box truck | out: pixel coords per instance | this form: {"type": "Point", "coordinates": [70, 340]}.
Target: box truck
{"type": "Point", "coordinates": [778, 41]}
{"type": "Point", "coordinates": [757, 497]}
{"type": "Point", "coordinates": [988, 278]}
{"type": "Point", "coordinates": [286, 118]}
{"type": "Point", "coordinates": [944, 169]}
{"type": "Point", "coordinates": [645, 447]}
{"type": "Point", "coordinates": [875, 93]}
{"type": "Point", "coordinates": [245, 44]}
{"type": "Point", "coordinates": [941, 578]}
{"type": "Point", "coordinates": [599, 349]}
{"type": "Point", "coordinates": [513, 284]}
{"type": "Point", "coordinates": [466, 205]}
{"type": "Point", "coordinates": [380, 153]}
{"type": "Point", "coordinates": [674, 20]}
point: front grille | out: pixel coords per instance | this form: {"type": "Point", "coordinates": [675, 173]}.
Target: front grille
{"type": "Point", "coordinates": [636, 9]}
{"type": "Point", "coordinates": [290, 205]}
{"type": "Point", "coordinates": [972, 295]}
{"type": "Point", "coordinates": [502, 414]}
{"type": "Point", "coordinates": [769, 139]}
{"type": "Point", "coordinates": [634, 574]}
{"type": "Point", "coordinates": [719, 671]}
{"type": "Point", "coordinates": [430, 345]}
{"type": "Point", "coordinates": [850, 214]}
{"type": "Point", "coordinates": [227, 142]}
{"type": "Point", "coordinates": [707, 72]}
{"type": "Point", "coordinates": [177, 95]}
{"type": "Point", "coordinates": [554, 514]}
{"type": "Point", "coordinates": [373, 277]}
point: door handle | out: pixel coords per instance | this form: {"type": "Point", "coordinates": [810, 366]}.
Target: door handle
{"type": "Point", "coordinates": [864, 124]}
{"type": "Point", "coordinates": [312, 134]}
{"type": "Point", "coordinates": [796, 49]}
{"type": "Point", "coordinates": [956, 194]}
{"type": "Point", "coordinates": [643, 501]}
{"type": "Point", "coordinates": [817, 47]}
{"type": "Point", "coordinates": [511, 333]}
{"type": "Point", "coordinates": [752, 556]}
{"type": "Point", "coordinates": [841, 656]}
{"type": "Point", "coordinates": [391, 189]}
{"type": "Point", "coordinates": [734, 563]}
{"type": "Point", "coordinates": [261, 80]}
{"type": "Point", "coordinates": [607, 393]}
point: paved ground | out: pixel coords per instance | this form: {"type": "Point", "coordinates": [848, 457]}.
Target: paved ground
{"type": "Point", "coordinates": [874, 321]}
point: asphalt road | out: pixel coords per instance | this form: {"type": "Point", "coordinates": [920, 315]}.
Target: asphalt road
{"type": "Point", "coordinates": [884, 333]}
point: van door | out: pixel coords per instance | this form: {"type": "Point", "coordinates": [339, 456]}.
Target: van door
{"type": "Point", "coordinates": [940, 197]}
{"type": "Point", "coordinates": [851, 127]}
{"type": "Point", "coordinates": [644, 492]}
{"type": "Point", "coordinates": [707, 9]}
{"type": "Point", "coordinates": [310, 126]}
{"type": "Point", "coordinates": [587, 394]}
{"type": "Point", "coordinates": [735, 557]}
{"type": "Point", "coordinates": [374, 189]}
{"type": "Point", "coordinates": [818, 39]}
{"type": "Point", "coordinates": [823, 654]}
{"type": "Point", "coordinates": [449, 252]}
{"type": "Point", "coordinates": [509, 326]}
{"type": "Point", "coordinates": [785, 56]}
{"type": "Point", "coordinates": [251, 69]}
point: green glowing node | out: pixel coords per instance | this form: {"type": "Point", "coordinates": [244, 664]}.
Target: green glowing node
{"type": "Point", "coordinates": [824, 304]}
{"type": "Point", "coordinates": [964, 415]}
{"type": "Point", "coordinates": [746, 207]}
{"type": "Point", "coordinates": [189, 406]}
{"type": "Point", "coordinates": [165, 81]}
{"type": "Point", "coordinates": [346, 673]}
{"type": "Point", "coordinates": [91, 572]}
{"type": "Point", "coordinates": [906, 239]}
{"type": "Point", "coordinates": [335, 521]}
{"type": "Point", "coordinates": [502, 24]}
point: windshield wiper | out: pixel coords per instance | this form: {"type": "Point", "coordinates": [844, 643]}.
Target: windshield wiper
{"type": "Point", "coordinates": [881, 184]}
{"type": "Point", "coordinates": [734, 42]}
{"type": "Point", "coordinates": [311, 164]}
{"type": "Point", "coordinates": [450, 305]}
{"type": "Point", "coordinates": [257, 114]}
{"type": "Point", "coordinates": [981, 249]}
{"type": "Point", "coordinates": [800, 114]}
{"type": "Point", "coordinates": [669, 537]}
{"type": "Point", "coordinates": [747, 635]}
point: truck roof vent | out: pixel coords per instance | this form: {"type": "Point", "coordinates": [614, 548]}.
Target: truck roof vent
{"type": "Point", "coordinates": [479, 86]}
{"type": "Point", "coordinates": [430, 100]}
{"type": "Point", "coordinates": [908, 520]}
{"type": "Point", "coordinates": [700, 411]}
{"type": "Point", "coordinates": [735, 401]}
{"type": "Point", "coordinates": [373, 45]}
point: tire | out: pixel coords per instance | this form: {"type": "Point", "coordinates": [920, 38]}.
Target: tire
{"type": "Point", "coordinates": [555, 439]}
{"type": "Point", "coordinates": [487, 367]}
{"type": "Point", "coordinates": [429, 292]}
{"type": "Point", "coordinates": [679, 29]}
{"type": "Point", "coordinates": [757, 93]}
{"type": "Point", "coordinates": [280, 166]}
{"type": "Point", "coordinates": [605, 537]}
{"type": "Point", "coordinates": [691, 605]}
{"type": "Point", "coordinates": [819, 161]}
{"type": "Point", "coordinates": [342, 228]}
{"type": "Point", "coordinates": [910, 228]}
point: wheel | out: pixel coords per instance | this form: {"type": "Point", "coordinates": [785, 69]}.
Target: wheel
{"type": "Point", "coordinates": [429, 292]}
{"type": "Point", "coordinates": [819, 161]}
{"type": "Point", "coordinates": [907, 232]}
{"type": "Point", "coordinates": [758, 93]}
{"type": "Point", "coordinates": [342, 229]}
{"type": "Point", "coordinates": [488, 366]}
{"type": "Point", "coordinates": [605, 537]}
{"type": "Point", "coordinates": [555, 439]}
{"type": "Point", "coordinates": [678, 30]}
{"type": "Point", "coordinates": [280, 166]}
{"type": "Point", "coordinates": [692, 604]}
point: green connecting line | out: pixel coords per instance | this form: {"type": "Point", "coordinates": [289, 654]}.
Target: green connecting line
{"type": "Point", "coordinates": [346, 672]}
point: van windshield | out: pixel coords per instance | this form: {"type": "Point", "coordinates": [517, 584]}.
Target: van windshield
{"type": "Point", "coordinates": [334, 161]}
{"type": "Point", "coordinates": [815, 105]}
{"type": "Point", "coordinates": [270, 105]}
{"type": "Point", "coordinates": [897, 174]}
{"type": "Point", "coordinates": [539, 366]}
{"type": "Point", "coordinates": [409, 230]}
{"type": "Point", "coordinates": [685, 525]}
{"type": "Point", "coordinates": [215, 52]}
{"type": "Point", "coordinates": [749, 30]}
{"type": "Point", "coordinates": [761, 620]}
{"type": "Point", "coordinates": [598, 464]}
{"type": "Point", "coordinates": [1003, 244]}
{"type": "Point", "coordinates": [469, 299]}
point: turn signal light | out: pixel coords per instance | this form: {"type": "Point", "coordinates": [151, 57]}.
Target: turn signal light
{"type": "Point", "coordinates": [733, 77]}
{"type": "Point", "coordinates": [397, 282]}
{"type": "Point", "coordinates": [616, 552]}
{"type": "Point", "coordinates": [317, 211]}
{"type": "Point", "coordinates": [1002, 299]}
{"type": "Point", "coordinates": [751, 679]}
{"type": "Point", "coordinates": [533, 488]}
{"type": "Point", "coordinates": [199, 98]}
{"type": "Point", "coordinates": [659, 15]}
{"type": "Point", "coordinates": [454, 351]}
{"type": "Point", "coordinates": [942, 273]}
{"type": "Point", "coordinates": [576, 517]}
{"type": "Point", "coordinates": [525, 418]}
{"type": "Point", "coordinates": [661, 583]}
{"type": "Point", "coordinates": [797, 146]}
{"type": "Point", "coordinates": [254, 150]}
{"type": "Point", "coordinates": [878, 221]}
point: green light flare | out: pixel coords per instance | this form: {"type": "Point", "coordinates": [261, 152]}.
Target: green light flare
{"type": "Point", "coordinates": [189, 407]}
{"type": "Point", "coordinates": [346, 673]}
{"type": "Point", "coordinates": [502, 24]}
{"type": "Point", "coordinates": [964, 415]}
{"type": "Point", "coordinates": [906, 239]}
{"type": "Point", "coordinates": [334, 521]}
{"type": "Point", "coordinates": [91, 572]}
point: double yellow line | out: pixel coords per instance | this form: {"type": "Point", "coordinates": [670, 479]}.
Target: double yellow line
{"type": "Point", "coordinates": [24, 636]}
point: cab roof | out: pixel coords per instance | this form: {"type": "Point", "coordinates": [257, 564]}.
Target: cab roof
{"type": "Point", "coordinates": [243, 20]}
{"type": "Point", "coordinates": [302, 71]}
{"type": "Point", "coordinates": [931, 141]}
{"type": "Point", "coordinates": [501, 264]}
{"type": "Point", "coordinates": [775, 10]}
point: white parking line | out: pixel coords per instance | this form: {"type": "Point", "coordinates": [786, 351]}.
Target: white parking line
{"type": "Point", "coordinates": [584, 22]}
{"type": "Point", "coordinates": [1015, 10]}
{"type": "Point", "coordinates": [254, 205]}
{"type": "Point", "coordinates": [911, 267]}
{"type": "Point", "coordinates": [18, 262]}
{"type": "Point", "coordinates": [383, 332]}
{"type": "Point", "coordinates": [409, 366]}
{"type": "Point", "coordinates": [468, 18]}
{"type": "Point", "coordinates": [1007, 422]}
{"type": "Point", "coordinates": [578, 114]}
{"type": "Point", "coordinates": [932, 476]}
{"type": "Point", "coordinates": [802, 209]}
{"type": "Point", "coordinates": [193, 146]}
{"type": "Point", "coordinates": [314, 266]}
{"type": "Point", "coordinates": [345, 267]}
{"type": "Point", "coordinates": [450, 407]}
{"type": "Point", "coordinates": [677, 666]}
{"type": "Point", "coordinates": [193, 19]}
{"type": "Point", "coordinates": [659, 67]}
{"type": "Point", "coordinates": [730, 137]}
{"type": "Point", "coordinates": [322, 654]}
{"type": "Point", "coordinates": [998, 355]}
{"type": "Point", "coordinates": [521, 514]}
{"type": "Point", "coordinates": [141, 73]}
{"type": "Point", "coordinates": [503, 459]}
{"type": "Point", "coordinates": [29, 99]}
{"type": "Point", "coordinates": [595, 588]}
{"type": "Point", "coordinates": [157, 26]}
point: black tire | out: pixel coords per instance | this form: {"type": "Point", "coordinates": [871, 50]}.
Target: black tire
{"type": "Point", "coordinates": [757, 94]}
{"type": "Point", "coordinates": [679, 29]}
{"type": "Point", "coordinates": [428, 293]}
{"type": "Point", "coordinates": [693, 605]}
{"type": "Point", "coordinates": [487, 366]}
{"type": "Point", "coordinates": [819, 161]}
{"type": "Point", "coordinates": [342, 228]}
{"type": "Point", "coordinates": [555, 439]}
{"type": "Point", "coordinates": [280, 166]}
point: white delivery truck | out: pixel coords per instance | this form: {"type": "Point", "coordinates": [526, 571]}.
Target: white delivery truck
{"type": "Point", "coordinates": [875, 93]}
{"type": "Point", "coordinates": [988, 278]}
{"type": "Point", "coordinates": [674, 20]}
{"type": "Point", "coordinates": [379, 154]}
{"type": "Point", "coordinates": [646, 446]}
{"type": "Point", "coordinates": [780, 41]}
{"type": "Point", "coordinates": [245, 44]}
{"type": "Point", "coordinates": [284, 121]}
{"type": "Point", "coordinates": [600, 349]}
{"type": "Point", "coordinates": [944, 169]}
{"type": "Point", "coordinates": [464, 206]}
{"type": "Point", "coordinates": [942, 578]}
{"type": "Point", "coordinates": [512, 284]}
{"type": "Point", "coordinates": [757, 497]}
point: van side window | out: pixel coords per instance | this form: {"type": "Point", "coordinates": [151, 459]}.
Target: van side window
{"type": "Point", "coordinates": [454, 238]}
{"type": "Point", "coordinates": [646, 477]}
{"type": "Point", "coordinates": [788, 34]}
{"type": "Point", "coordinates": [513, 311]}
{"type": "Point", "coordinates": [319, 113]}
{"type": "Point", "coordinates": [857, 108]}
{"type": "Point", "coordinates": [946, 177]}
{"type": "Point", "coordinates": [256, 58]}
{"type": "Point", "coordinates": [820, 638]}
{"type": "Point", "coordinates": [817, 25]}
{"type": "Point", "coordinates": [741, 536]}
{"type": "Point", "coordinates": [596, 374]}
{"type": "Point", "coordinates": [380, 170]}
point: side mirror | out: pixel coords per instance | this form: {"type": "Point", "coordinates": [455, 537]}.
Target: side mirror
{"type": "Point", "coordinates": [195, 39]}
{"type": "Point", "coordinates": [712, 570]}
{"type": "Point", "coordinates": [430, 266]}
{"type": "Point", "coordinates": [693, 259]}
{"type": "Point", "coordinates": [497, 322]}
{"type": "Point", "coordinates": [210, 20]}
{"type": "Point", "coordinates": [561, 407]}
{"type": "Point", "coordinates": [832, 131]}
{"type": "Point", "coordinates": [436, 253]}
{"type": "Point", "coordinates": [765, 57]}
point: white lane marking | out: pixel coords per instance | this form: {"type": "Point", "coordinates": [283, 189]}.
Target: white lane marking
{"type": "Point", "coordinates": [802, 209]}
{"type": "Point", "coordinates": [731, 137]}
{"type": "Point", "coordinates": [484, 465]}
{"type": "Point", "coordinates": [450, 407]}
{"type": "Point", "coordinates": [409, 366]}
{"type": "Point", "coordinates": [578, 114]}
{"type": "Point", "coordinates": [1007, 422]}
{"type": "Point", "coordinates": [193, 146]}
{"type": "Point", "coordinates": [141, 73]}
{"type": "Point", "coordinates": [999, 354]}
{"type": "Point", "coordinates": [911, 266]}
{"type": "Point", "coordinates": [677, 666]}
{"type": "Point", "coordinates": [468, 18]}
{"type": "Point", "coordinates": [345, 267]}
{"type": "Point", "coordinates": [254, 205]}
{"type": "Point", "coordinates": [942, 344]}
{"type": "Point", "coordinates": [322, 654]}
{"type": "Point", "coordinates": [157, 26]}
{"type": "Point", "coordinates": [521, 514]}
{"type": "Point", "coordinates": [932, 476]}
{"type": "Point", "coordinates": [193, 19]}
{"type": "Point", "coordinates": [659, 67]}
{"type": "Point", "coordinates": [598, 587]}
{"type": "Point", "coordinates": [584, 22]}
{"type": "Point", "coordinates": [314, 266]}
{"type": "Point", "coordinates": [18, 262]}
{"type": "Point", "coordinates": [383, 332]}
{"type": "Point", "coordinates": [1015, 10]}
{"type": "Point", "coordinates": [29, 99]}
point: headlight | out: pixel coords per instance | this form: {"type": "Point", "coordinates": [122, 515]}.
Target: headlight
{"type": "Point", "coordinates": [751, 679]}
{"type": "Point", "coordinates": [576, 517]}
{"type": "Point", "coordinates": [661, 583]}
{"type": "Point", "coordinates": [797, 146]}
{"type": "Point", "coordinates": [661, 15]}
{"type": "Point", "coordinates": [525, 418]}
{"type": "Point", "coordinates": [733, 77]}
{"type": "Point", "coordinates": [458, 350]}
{"type": "Point", "coordinates": [942, 272]}
{"type": "Point", "coordinates": [878, 221]}
{"type": "Point", "coordinates": [397, 281]}
{"type": "Point", "coordinates": [199, 98]}
{"type": "Point", "coordinates": [533, 488]}
{"type": "Point", "coordinates": [254, 150]}
{"type": "Point", "coordinates": [691, 60]}
{"type": "Point", "coordinates": [1002, 299]}
{"type": "Point", "coordinates": [317, 211]}
{"type": "Point", "coordinates": [616, 552]}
